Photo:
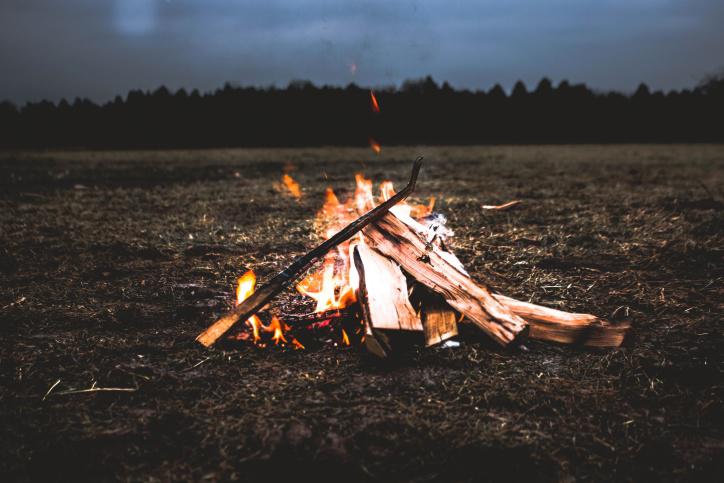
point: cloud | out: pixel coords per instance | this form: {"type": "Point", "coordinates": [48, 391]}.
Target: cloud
{"type": "Point", "coordinates": [102, 48]}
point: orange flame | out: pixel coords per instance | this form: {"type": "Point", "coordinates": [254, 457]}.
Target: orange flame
{"type": "Point", "coordinates": [375, 146]}
{"type": "Point", "coordinates": [275, 327]}
{"type": "Point", "coordinates": [292, 186]}
{"type": "Point", "coordinates": [244, 288]}
{"type": "Point", "coordinates": [373, 99]}
{"type": "Point", "coordinates": [334, 284]}
{"type": "Point", "coordinates": [387, 190]}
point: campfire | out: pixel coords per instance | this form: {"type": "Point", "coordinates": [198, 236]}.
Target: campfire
{"type": "Point", "coordinates": [386, 270]}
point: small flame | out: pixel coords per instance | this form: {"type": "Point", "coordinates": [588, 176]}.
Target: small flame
{"type": "Point", "coordinates": [275, 327]}
{"type": "Point", "coordinates": [255, 323]}
{"type": "Point", "coordinates": [387, 191]}
{"type": "Point", "coordinates": [291, 186]}
{"type": "Point", "coordinates": [244, 288]}
{"type": "Point", "coordinates": [375, 146]}
{"type": "Point", "coordinates": [345, 339]}
{"type": "Point", "coordinates": [364, 200]}
{"type": "Point", "coordinates": [373, 100]}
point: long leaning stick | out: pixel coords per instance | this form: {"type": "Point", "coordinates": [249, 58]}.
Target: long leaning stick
{"type": "Point", "coordinates": [261, 297]}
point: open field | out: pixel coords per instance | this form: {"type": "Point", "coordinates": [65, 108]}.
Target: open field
{"type": "Point", "coordinates": [112, 262]}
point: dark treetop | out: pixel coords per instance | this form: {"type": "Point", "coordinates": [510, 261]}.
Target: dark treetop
{"type": "Point", "coordinates": [419, 112]}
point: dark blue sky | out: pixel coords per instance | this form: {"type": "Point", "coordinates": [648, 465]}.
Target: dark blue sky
{"type": "Point", "coordinates": [100, 48]}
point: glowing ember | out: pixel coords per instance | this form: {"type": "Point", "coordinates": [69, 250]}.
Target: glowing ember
{"type": "Point", "coordinates": [375, 146]}
{"type": "Point", "coordinates": [291, 186]}
{"type": "Point", "coordinates": [373, 102]}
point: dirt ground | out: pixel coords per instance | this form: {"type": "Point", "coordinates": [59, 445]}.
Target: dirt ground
{"type": "Point", "coordinates": [112, 262]}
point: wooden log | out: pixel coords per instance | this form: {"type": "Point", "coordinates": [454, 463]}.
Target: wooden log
{"type": "Point", "coordinates": [438, 320]}
{"type": "Point", "coordinates": [565, 327]}
{"type": "Point", "coordinates": [546, 323]}
{"type": "Point", "coordinates": [383, 292]}
{"type": "Point", "coordinates": [424, 262]}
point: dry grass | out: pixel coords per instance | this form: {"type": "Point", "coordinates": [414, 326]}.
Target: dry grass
{"type": "Point", "coordinates": [111, 263]}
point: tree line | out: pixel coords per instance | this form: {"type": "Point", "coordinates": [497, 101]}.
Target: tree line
{"type": "Point", "coordinates": [418, 112]}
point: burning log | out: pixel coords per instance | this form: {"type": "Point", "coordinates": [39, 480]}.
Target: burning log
{"type": "Point", "coordinates": [427, 264]}
{"type": "Point", "coordinates": [261, 297]}
{"type": "Point", "coordinates": [565, 327]}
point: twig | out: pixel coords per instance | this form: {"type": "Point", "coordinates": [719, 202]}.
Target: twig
{"type": "Point", "coordinates": [51, 389]}
{"type": "Point", "coordinates": [94, 388]}
{"type": "Point", "coordinates": [308, 319]}
{"type": "Point", "coordinates": [198, 364]}
{"type": "Point", "coordinates": [17, 302]}
{"type": "Point", "coordinates": [504, 206]}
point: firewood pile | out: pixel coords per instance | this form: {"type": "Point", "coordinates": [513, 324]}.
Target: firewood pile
{"type": "Point", "coordinates": [406, 280]}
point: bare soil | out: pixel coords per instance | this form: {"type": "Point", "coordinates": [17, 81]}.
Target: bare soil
{"type": "Point", "coordinates": [112, 262]}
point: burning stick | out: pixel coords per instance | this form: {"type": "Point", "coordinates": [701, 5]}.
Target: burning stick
{"type": "Point", "coordinates": [261, 297]}
{"type": "Point", "coordinates": [308, 319]}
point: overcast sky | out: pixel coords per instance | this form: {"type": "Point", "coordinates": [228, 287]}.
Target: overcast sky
{"type": "Point", "coordinates": [100, 48]}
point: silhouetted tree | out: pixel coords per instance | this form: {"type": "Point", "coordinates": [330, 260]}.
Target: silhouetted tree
{"type": "Point", "coordinates": [519, 90]}
{"type": "Point", "coordinates": [419, 112]}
